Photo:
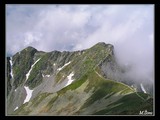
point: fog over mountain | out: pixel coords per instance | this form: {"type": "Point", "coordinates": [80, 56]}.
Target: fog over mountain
{"type": "Point", "coordinates": [130, 28]}
{"type": "Point", "coordinates": [87, 82]}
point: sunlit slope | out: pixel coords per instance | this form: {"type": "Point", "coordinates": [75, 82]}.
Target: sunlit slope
{"type": "Point", "coordinates": [71, 83]}
{"type": "Point", "coordinates": [90, 95]}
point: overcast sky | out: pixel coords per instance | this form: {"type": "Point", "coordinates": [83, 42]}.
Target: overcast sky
{"type": "Point", "coordinates": [130, 28]}
{"type": "Point", "coordinates": [75, 27]}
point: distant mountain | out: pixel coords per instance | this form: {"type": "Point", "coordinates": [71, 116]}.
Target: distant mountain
{"type": "Point", "coordinates": [71, 83]}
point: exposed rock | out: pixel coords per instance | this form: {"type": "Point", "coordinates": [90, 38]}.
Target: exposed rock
{"type": "Point", "coordinates": [71, 83]}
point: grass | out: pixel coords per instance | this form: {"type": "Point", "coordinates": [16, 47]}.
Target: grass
{"type": "Point", "coordinates": [131, 105]}
{"type": "Point", "coordinates": [85, 68]}
{"type": "Point", "coordinates": [22, 65]}
{"type": "Point", "coordinates": [74, 85]}
{"type": "Point", "coordinates": [102, 88]}
{"type": "Point", "coordinates": [39, 98]}
{"type": "Point", "coordinates": [21, 110]}
{"type": "Point", "coordinates": [28, 107]}
{"type": "Point", "coordinates": [50, 103]}
{"type": "Point", "coordinates": [35, 77]}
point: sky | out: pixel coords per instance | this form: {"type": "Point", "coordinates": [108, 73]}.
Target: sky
{"type": "Point", "coordinates": [130, 28]}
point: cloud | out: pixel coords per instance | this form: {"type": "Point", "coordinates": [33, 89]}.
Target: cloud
{"type": "Point", "coordinates": [75, 27]}
{"type": "Point", "coordinates": [30, 38]}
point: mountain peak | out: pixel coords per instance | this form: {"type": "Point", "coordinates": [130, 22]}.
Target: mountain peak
{"type": "Point", "coordinates": [51, 80]}
{"type": "Point", "coordinates": [103, 44]}
{"type": "Point", "coordinates": [30, 48]}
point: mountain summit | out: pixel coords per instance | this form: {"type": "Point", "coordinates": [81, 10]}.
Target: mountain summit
{"type": "Point", "coordinates": [70, 83]}
{"type": "Point", "coordinates": [103, 44]}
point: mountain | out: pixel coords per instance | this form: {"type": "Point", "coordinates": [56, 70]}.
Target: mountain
{"type": "Point", "coordinates": [71, 83]}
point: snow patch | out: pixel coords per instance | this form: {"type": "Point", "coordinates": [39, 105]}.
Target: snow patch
{"type": "Point", "coordinates": [27, 75]}
{"type": "Point", "coordinates": [16, 108]}
{"type": "Point", "coordinates": [29, 94]}
{"type": "Point", "coordinates": [11, 63]}
{"type": "Point", "coordinates": [63, 66]}
{"type": "Point", "coordinates": [47, 75]}
{"type": "Point", "coordinates": [70, 80]}
{"type": "Point", "coordinates": [42, 75]}
{"type": "Point", "coordinates": [54, 64]}
{"type": "Point", "coordinates": [15, 90]}
{"type": "Point", "coordinates": [143, 88]}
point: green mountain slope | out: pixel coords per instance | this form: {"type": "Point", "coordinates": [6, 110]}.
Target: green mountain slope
{"type": "Point", "coordinates": [72, 83]}
{"type": "Point", "coordinates": [91, 95]}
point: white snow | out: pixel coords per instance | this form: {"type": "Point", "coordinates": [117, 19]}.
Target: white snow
{"type": "Point", "coordinates": [27, 75]}
{"type": "Point", "coordinates": [16, 108]}
{"type": "Point", "coordinates": [70, 80]}
{"type": "Point", "coordinates": [54, 64]}
{"type": "Point", "coordinates": [63, 66]}
{"type": "Point", "coordinates": [15, 90]}
{"type": "Point", "coordinates": [143, 88]}
{"type": "Point", "coordinates": [47, 75]}
{"type": "Point", "coordinates": [29, 94]}
{"type": "Point", "coordinates": [42, 75]}
{"type": "Point", "coordinates": [11, 63]}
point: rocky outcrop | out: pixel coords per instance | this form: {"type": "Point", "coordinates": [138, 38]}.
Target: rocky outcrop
{"type": "Point", "coordinates": [70, 83]}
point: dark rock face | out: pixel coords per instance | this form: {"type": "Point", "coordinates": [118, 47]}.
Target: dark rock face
{"type": "Point", "coordinates": [8, 76]}
{"type": "Point", "coordinates": [21, 65]}
{"type": "Point", "coordinates": [75, 80]}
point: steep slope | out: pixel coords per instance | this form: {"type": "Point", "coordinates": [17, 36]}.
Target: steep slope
{"type": "Point", "coordinates": [90, 95]}
{"type": "Point", "coordinates": [70, 83]}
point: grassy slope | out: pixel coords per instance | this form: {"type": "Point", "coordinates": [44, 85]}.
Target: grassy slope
{"type": "Point", "coordinates": [103, 96]}
{"type": "Point", "coordinates": [130, 104]}
{"type": "Point", "coordinates": [101, 88]}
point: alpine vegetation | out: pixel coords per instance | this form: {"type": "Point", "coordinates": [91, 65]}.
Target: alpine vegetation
{"type": "Point", "coordinates": [84, 82]}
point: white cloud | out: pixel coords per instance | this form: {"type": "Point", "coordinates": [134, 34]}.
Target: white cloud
{"type": "Point", "coordinates": [29, 37]}
{"type": "Point", "coordinates": [74, 27]}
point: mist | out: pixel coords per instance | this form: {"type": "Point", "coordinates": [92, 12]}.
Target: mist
{"type": "Point", "coordinates": [130, 28]}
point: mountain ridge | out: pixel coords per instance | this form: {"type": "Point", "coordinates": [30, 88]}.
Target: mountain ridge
{"type": "Point", "coordinates": [52, 76]}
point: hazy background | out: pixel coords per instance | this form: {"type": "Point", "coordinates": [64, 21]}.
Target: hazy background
{"type": "Point", "coordinates": [130, 28]}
